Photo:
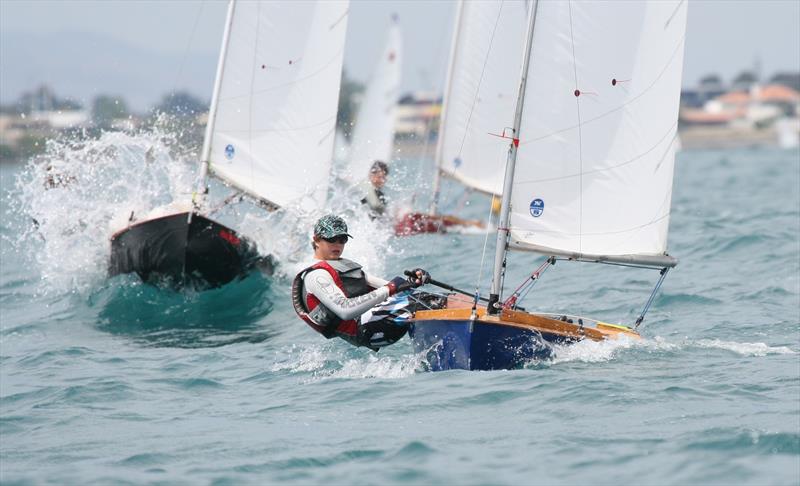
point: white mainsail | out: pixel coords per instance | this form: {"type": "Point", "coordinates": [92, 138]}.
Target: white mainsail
{"type": "Point", "coordinates": [271, 128]}
{"type": "Point", "coordinates": [481, 91]}
{"type": "Point", "coordinates": [594, 166]}
{"type": "Point", "coordinates": [373, 137]}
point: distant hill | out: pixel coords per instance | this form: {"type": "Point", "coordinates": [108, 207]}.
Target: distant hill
{"type": "Point", "coordinates": [83, 65]}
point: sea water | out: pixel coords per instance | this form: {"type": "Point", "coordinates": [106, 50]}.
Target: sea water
{"type": "Point", "coordinates": [108, 381]}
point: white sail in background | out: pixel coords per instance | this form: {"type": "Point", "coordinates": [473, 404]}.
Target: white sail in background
{"type": "Point", "coordinates": [594, 167]}
{"type": "Point", "coordinates": [276, 108]}
{"type": "Point", "coordinates": [481, 91]}
{"type": "Point", "coordinates": [373, 136]}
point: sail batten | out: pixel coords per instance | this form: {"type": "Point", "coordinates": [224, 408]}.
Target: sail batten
{"type": "Point", "coordinates": [275, 112]}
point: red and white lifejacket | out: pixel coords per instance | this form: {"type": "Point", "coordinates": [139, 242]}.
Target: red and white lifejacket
{"type": "Point", "coordinates": [348, 276]}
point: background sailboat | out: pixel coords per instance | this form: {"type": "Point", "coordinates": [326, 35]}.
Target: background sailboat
{"type": "Point", "coordinates": [373, 133]}
{"type": "Point", "coordinates": [480, 94]}
{"type": "Point", "coordinates": [270, 136]}
{"type": "Point", "coordinates": [479, 100]}
{"type": "Point", "coordinates": [588, 175]}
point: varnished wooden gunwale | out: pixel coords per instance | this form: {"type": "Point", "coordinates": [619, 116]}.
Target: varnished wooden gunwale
{"type": "Point", "coordinates": [526, 321]}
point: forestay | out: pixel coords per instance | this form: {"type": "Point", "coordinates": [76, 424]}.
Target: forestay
{"type": "Point", "coordinates": [278, 89]}
{"type": "Point", "coordinates": [481, 91]}
{"type": "Point", "coordinates": [594, 167]}
{"type": "Point", "coordinates": [373, 137]}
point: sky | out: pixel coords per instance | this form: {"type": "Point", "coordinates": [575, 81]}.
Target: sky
{"type": "Point", "coordinates": [723, 36]}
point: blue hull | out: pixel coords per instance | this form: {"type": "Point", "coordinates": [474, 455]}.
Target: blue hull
{"type": "Point", "coordinates": [475, 345]}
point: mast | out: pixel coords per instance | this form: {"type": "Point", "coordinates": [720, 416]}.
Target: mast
{"type": "Point", "coordinates": [202, 186]}
{"type": "Point", "coordinates": [437, 175]}
{"type": "Point", "coordinates": [502, 225]}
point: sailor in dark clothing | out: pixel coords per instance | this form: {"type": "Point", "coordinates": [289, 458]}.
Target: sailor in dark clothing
{"type": "Point", "coordinates": [375, 198]}
{"type": "Point", "coordinates": [332, 294]}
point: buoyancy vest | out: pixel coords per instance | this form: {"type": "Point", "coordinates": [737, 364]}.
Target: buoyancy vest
{"type": "Point", "coordinates": [350, 278]}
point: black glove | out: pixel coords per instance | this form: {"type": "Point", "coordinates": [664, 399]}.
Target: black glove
{"type": "Point", "coordinates": [399, 284]}
{"type": "Point", "coordinates": [419, 277]}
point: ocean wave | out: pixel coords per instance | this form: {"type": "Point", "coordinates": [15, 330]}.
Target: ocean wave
{"type": "Point", "coordinates": [744, 349]}
{"type": "Point", "coordinates": [744, 442]}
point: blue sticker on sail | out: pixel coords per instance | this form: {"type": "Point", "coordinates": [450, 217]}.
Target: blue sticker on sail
{"type": "Point", "coordinates": [537, 208]}
{"type": "Point", "coordinates": [229, 152]}
{"type": "Point", "coordinates": [457, 162]}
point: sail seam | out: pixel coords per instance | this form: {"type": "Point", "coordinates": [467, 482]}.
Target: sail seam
{"type": "Point", "coordinates": [291, 129]}
{"type": "Point", "coordinates": [678, 48]}
{"type": "Point", "coordinates": [295, 82]}
{"type": "Point", "coordinates": [627, 230]}
{"type": "Point", "coordinates": [613, 167]}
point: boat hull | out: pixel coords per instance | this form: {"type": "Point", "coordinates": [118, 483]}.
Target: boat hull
{"type": "Point", "coordinates": [476, 345]}
{"type": "Point", "coordinates": [419, 223]}
{"type": "Point", "coordinates": [177, 252]}
{"type": "Point", "coordinates": [452, 338]}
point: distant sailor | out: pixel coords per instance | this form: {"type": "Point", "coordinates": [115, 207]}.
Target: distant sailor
{"type": "Point", "coordinates": [336, 297]}
{"type": "Point", "coordinates": [375, 198]}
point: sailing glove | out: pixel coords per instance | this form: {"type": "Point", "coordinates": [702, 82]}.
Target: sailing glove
{"type": "Point", "coordinates": [399, 284]}
{"type": "Point", "coordinates": [419, 277]}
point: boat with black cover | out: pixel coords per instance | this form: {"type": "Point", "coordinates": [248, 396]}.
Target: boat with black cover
{"type": "Point", "coordinates": [269, 138]}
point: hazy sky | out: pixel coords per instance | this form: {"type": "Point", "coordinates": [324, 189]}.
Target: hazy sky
{"type": "Point", "coordinates": [724, 36]}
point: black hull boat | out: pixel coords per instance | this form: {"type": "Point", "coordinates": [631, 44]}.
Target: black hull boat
{"type": "Point", "coordinates": [179, 251]}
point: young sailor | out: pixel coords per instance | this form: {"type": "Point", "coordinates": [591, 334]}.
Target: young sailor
{"type": "Point", "coordinates": [375, 198]}
{"type": "Point", "coordinates": [332, 294]}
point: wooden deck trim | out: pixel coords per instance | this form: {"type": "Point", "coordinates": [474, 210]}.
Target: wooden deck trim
{"type": "Point", "coordinates": [529, 321]}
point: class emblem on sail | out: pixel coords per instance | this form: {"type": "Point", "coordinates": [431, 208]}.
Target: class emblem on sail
{"type": "Point", "coordinates": [537, 208]}
{"type": "Point", "coordinates": [593, 134]}
{"type": "Point", "coordinates": [269, 137]}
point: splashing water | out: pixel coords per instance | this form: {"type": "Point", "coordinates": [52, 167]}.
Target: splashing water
{"type": "Point", "coordinates": [75, 195]}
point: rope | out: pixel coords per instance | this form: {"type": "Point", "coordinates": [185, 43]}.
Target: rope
{"type": "Point", "coordinates": [652, 297]}
{"type": "Point", "coordinates": [525, 287]}
{"type": "Point", "coordinates": [483, 257]}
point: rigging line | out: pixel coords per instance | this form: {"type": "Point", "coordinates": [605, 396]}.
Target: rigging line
{"type": "Point", "coordinates": [480, 79]}
{"type": "Point", "coordinates": [188, 44]}
{"type": "Point", "coordinates": [252, 85]}
{"type": "Point", "coordinates": [620, 107]}
{"type": "Point", "coordinates": [580, 133]}
{"type": "Point", "coordinates": [483, 253]}
{"type": "Point", "coordinates": [674, 13]}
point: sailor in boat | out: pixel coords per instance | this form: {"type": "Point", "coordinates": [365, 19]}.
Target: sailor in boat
{"type": "Point", "coordinates": [338, 299]}
{"type": "Point", "coordinates": [375, 199]}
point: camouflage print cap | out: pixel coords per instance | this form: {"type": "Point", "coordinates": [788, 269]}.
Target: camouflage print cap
{"type": "Point", "coordinates": [330, 226]}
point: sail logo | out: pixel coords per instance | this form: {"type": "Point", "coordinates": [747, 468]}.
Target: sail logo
{"type": "Point", "coordinates": [229, 152]}
{"type": "Point", "coordinates": [457, 162]}
{"type": "Point", "coordinates": [537, 208]}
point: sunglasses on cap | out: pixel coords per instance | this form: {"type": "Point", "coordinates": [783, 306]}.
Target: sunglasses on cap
{"type": "Point", "coordinates": [341, 239]}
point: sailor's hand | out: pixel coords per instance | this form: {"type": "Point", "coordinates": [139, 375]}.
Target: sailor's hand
{"type": "Point", "coordinates": [399, 284]}
{"type": "Point", "coordinates": [418, 277]}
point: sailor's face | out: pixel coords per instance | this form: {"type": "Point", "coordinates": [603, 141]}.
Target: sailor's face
{"type": "Point", "coordinates": [330, 249]}
{"type": "Point", "coordinates": [377, 178]}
